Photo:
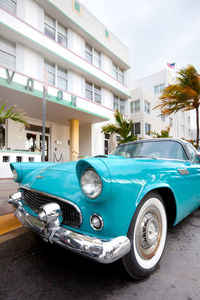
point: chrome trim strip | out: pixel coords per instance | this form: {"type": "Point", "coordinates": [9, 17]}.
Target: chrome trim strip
{"type": "Point", "coordinates": [56, 197]}
{"type": "Point", "coordinates": [101, 250]}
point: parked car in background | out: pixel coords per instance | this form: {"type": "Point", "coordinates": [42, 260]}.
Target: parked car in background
{"type": "Point", "coordinates": [112, 207]}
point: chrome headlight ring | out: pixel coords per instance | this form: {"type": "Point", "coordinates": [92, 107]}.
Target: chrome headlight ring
{"type": "Point", "coordinates": [91, 183]}
{"type": "Point", "coordinates": [96, 222]}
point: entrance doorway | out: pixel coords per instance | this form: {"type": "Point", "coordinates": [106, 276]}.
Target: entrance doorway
{"type": "Point", "coordinates": [34, 139]}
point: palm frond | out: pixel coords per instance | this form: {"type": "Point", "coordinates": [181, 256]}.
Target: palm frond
{"type": "Point", "coordinates": [185, 95]}
{"type": "Point", "coordinates": [12, 114]}
{"type": "Point", "coordinates": [122, 127]}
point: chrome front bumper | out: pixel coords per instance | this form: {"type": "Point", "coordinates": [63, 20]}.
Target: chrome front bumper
{"type": "Point", "coordinates": [101, 250]}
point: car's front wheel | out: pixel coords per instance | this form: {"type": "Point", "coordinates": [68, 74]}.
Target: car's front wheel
{"type": "Point", "coordinates": [147, 233]}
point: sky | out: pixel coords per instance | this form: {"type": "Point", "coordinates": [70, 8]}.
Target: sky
{"type": "Point", "coordinates": [155, 31]}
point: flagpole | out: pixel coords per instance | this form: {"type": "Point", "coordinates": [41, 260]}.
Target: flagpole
{"type": "Point", "coordinates": [43, 123]}
{"type": "Point", "coordinates": [45, 89]}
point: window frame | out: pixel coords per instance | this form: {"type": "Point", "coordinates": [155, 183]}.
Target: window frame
{"type": "Point", "coordinates": [149, 131]}
{"type": "Point", "coordinates": [6, 5]}
{"type": "Point", "coordinates": [133, 106]}
{"type": "Point", "coordinates": [63, 36]}
{"type": "Point", "coordinates": [48, 25]}
{"type": "Point", "coordinates": [118, 73]}
{"type": "Point", "coordinates": [63, 78]}
{"type": "Point", "coordinates": [8, 50]}
{"type": "Point", "coordinates": [94, 54]}
{"type": "Point", "coordinates": [158, 88]}
{"type": "Point", "coordinates": [134, 128]}
{"type": "Point", "coordinates": [58, 29]}
{"type": "Point", "coordinates": [147, 107]}
{"type": "Point", "coordinates": [117, 104]}
{"type": "Point", "coordinates": [56, 75]}
{"type": "Point", "coordinates": [95, 92]}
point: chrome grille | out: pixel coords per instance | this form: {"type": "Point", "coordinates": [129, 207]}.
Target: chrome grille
{"type": "Point", "coordinates": [71, 214]}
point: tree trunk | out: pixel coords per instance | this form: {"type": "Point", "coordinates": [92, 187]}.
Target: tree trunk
{"type": "Point", "coordinates": [197, 123]}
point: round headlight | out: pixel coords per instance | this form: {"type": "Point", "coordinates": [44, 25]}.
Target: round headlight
{"type": "Point", "coordinates": [91, 183]}
{"type": "Point", "coordinates": [15, 176]}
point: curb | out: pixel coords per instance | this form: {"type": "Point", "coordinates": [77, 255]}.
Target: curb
{"type": "Point", "coordinates": [8, 223]}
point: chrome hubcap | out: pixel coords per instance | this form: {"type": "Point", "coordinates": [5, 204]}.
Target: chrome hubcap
{"type": "Point", "coordinates": [148, 233]}
{"type": "Point", "coordinates": [148, 230]}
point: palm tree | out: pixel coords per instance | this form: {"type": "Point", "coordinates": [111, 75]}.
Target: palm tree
{"type": "Point", "coordinates": [12, 114]}
{"type": "Point", "coordinates": [185, 95]}
{"type": "Point", "coordinates": [122, 127]}
{"type": "Point", "coordinates": [163, 134]}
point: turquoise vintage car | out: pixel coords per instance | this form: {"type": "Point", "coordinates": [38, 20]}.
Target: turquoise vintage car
{"type": "Point", "coordinates": [112, 207]}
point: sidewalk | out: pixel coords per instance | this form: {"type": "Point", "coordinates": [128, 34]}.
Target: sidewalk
{"type": "Point", "coordinates": [7, 187]}
{"type": "Point", "coordinates": [8, 221]}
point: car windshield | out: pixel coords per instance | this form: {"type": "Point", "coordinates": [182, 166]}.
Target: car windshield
{"type": "Point", "coordinates": [153, 149]}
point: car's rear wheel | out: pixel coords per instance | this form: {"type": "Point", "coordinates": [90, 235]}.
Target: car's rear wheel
{"type": "Point", "coordinates": [147, 233]}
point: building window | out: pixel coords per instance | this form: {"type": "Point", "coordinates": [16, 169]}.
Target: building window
{"type": "Point", "coordinates": [147, 129]}
{"type": "Point", "coordinates": [136, 128]}
{"type": "Point", "coordinates": [118, 73]}
{"type": "Point", "coordinates": [57, 76]}
{"type": "Point", "coordinates": [7, 53]}
{"type": "Point", "coordinates": [9, 5]}
{"type": "Point", "coordinates": [147, 107]}
{"type": "Point", "coordinates": [6, 158]}
{"type": "Point", "coordinates": [189, 119]}
{"type": "Point", "coordinates": [163, 118]}
{"type": "Point", "coordinates": [49, 27]}
{"type": "Point", "coordinates": [55, 30]}
{"type": "Point", "coordinates": [2, 135]}
{"type": "Point", "coordinates": [92, 56]}
{"type": "Point", "coordinates": [92, 92]}
{"type": "Point", "coordinates": [119, 104]}
{"type": "Point", "coordinates": [88, 53]}
{"type": "Point", "coordinates": [115, 102]}
{"type": "Point", "coordinates": [50, 67]}
{"type": "Point", "coordinates": [135, 106]}
{"type": "Point", "coordinates": [170, 122]}
{"type": "Point", "coordinates": [62, 35]}
{"type": "Point", "coordinates": [89, 90]}
{"type": "Point", "coordinates": [96, 58]}
{"type": "Point", "coordinates": [159, 88]}
{"type": "Point", "coordinates": [19, 158]}
{"type": "Point", "coordinates": [122, 106]}
{"type": "Point", "coordinates": [106, 143]}
{"type": "Point", "coordinates": [62, 78]}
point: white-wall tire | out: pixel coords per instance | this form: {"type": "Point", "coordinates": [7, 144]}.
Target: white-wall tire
{"type": "Point", "coordinates": [147, 233]}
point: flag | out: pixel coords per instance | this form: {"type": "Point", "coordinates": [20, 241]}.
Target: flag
{"type": "Point", "coordinates": [171, 65]}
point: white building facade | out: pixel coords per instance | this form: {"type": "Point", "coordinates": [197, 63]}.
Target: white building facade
{"type": "Point", "coordinates": [145, 95]}
{"type": "Point", "coordinates": [85, 65]}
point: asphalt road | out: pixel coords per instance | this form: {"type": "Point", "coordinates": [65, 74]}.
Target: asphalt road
{"type": "Point", "coordinates": [33, 269]}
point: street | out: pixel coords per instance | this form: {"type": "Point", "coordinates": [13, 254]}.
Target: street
{"type": "Point", "coordinates": [33, 269]}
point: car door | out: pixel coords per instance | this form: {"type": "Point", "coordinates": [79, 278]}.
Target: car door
{"type": "Point", "coordinates": [194, 176]}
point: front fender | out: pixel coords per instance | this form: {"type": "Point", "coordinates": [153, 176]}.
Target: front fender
{"type": "Point", "coordinates": [101, 168]}
{"type": "Point", "coordinates": [26, 168]}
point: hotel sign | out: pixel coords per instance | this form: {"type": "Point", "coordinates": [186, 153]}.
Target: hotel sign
{"type": "Point", "coordinates": [30, 87]}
